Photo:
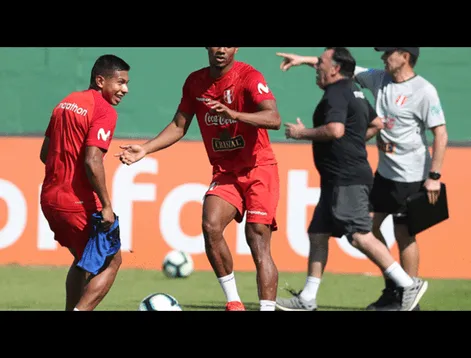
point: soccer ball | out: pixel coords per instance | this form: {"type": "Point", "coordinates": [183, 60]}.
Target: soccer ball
{"type": "Point", "coordinates": [177, 264]}
{"type": "Point", "coordinates": [159, 302]}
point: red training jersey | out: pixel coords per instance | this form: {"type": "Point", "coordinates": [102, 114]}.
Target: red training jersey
{"type": "Point", "coordinates": [231, 145]}
{"type": "Point", "coordinates": [81, 119]}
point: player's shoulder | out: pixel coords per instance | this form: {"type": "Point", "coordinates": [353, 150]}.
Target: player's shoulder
{"type": "Point", "coordinates": [246, 70]}
{"type": "Point", "coordinates": [424, 86]}
{"type": "Point", "coordinates": [198, 74]}
{"type": "Point", "coordinates": [75, 96]}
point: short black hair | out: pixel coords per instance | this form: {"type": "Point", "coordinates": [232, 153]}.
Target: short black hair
{"type": "Point", "coordinates": [105, 66]}
{"type": "Point", "coordinates": [343, 57]}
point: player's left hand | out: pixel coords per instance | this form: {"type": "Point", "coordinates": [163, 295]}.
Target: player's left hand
{"type": "Point", "coordinates": [433, 190]}
{"type": "Point", "coordinates": [293, 130]}
{"type": "Point", "coordinates": [219, 108]}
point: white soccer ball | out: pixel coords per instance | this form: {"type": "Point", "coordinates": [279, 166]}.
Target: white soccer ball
{"type": "Point", "coordinates": [159, 302]}
{"type": "Point", "coordinates": [177, 264]}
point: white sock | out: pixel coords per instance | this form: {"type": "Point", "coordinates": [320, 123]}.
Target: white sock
{"type": "Point", "coordinates": [76, 309]}
{"type": "Point", "coordinates": [228, 284]}
{"type": "Point", "coordinates": [267, 305]}
{"type": "Point", "coordinates": [396, 273]}
{"type": "Point", "coordinates": [310, 289]}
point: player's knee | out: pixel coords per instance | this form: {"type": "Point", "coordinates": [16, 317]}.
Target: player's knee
{"type": "Point", "coordinates": [256, 231]}
{"type": "Point", "coordinates": [212, 227]}
{"type": "Point", "coordinates": [359, 239]}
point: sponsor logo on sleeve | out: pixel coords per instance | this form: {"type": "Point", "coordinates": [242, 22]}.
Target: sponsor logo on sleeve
{"type": "Point", "coordinates": [263, 88]}
{"type": "Point", "coordinates": [103, 135]}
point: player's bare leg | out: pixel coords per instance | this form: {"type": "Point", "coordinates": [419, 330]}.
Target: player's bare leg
{"type": "Point", "coordinates": [306, 299]}
{"type": "Point", "coordinates": [378, 219]}
{"type": "Point", "coordinates": [373, 249]}
{"type": "Point", "coordinates": [318, 254]}
{"type": "Point", "coordinates": [387, 300]}
{"type": "Point", "coordinates": [259, 240]}
{"type": "Point", "coordinates": [74, 284]}
{"type": "Point", "coordinates": [408, 249]}
{"type": "Point", "coordinates": [217, 214]}
{"type": "Point", "coordinates": [410, 289]}
{"type": "Point", "coordinates": [409, 259]}
{"type": "Point", "coordinates": [407, 245]}
{"type": "Point", "coordinates": [97, 287]}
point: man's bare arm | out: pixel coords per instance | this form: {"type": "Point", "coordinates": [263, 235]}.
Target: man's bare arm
{"type": "Point", "coordinates": [96, 174]}
{"type": "Point", "coordinates": [374, 128]}
{"type": "Point", "coordinates": [267, 116]}
{"type": "Point", "coordinates": [171, 134]}
{"type": "Point", "coordinates": [325, 133]}
{"type": "Point", "coordinates": [293, 60]}
{"type": "Point", "coordinates": [440, 143]}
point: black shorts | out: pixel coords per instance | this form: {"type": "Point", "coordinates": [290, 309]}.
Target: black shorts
{"type": "Point", "coordinates": [342, 210]}
{"type": "Point", "coordinates": [390, 196]}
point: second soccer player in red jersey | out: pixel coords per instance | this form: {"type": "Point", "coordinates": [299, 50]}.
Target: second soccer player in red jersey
{"type": "Point", "coordinates": [74, 197]}
{"type": "Point", "coordinates": [234, 108]}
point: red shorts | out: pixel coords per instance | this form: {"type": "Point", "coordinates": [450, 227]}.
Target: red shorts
{"type": "Point", "coordinates": [71, 229]}
{"type": "Point", "coordinates": [256, 192]}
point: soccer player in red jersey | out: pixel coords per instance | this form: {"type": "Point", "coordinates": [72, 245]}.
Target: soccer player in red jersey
{"type": "Point", "coordinates": [234, 108]}
{"type": "Point", "coordinates": [77, 137]}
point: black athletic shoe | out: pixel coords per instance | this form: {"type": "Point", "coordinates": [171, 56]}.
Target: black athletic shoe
{"type": "Point", "coordinates": [388, 301]}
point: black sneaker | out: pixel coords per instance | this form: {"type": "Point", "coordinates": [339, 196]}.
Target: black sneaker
{"type": "Point", "coordinates": [388, 301]}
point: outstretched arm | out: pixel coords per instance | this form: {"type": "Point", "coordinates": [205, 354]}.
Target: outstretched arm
{"type": "Point", "coordinates": [324, 133]}
{"type": "Point", "coordinates": [170, 135]}
{"type": "Point", "coordinates": [292, 60]}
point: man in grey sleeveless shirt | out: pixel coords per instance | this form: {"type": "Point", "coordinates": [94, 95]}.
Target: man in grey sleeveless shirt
{"type": "Point", "coordinates": [409, 106]}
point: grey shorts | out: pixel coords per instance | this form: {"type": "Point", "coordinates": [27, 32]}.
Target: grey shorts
{"type": "Point", "coordinates": [342, 210]}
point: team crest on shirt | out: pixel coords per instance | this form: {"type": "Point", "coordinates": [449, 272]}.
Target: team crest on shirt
{"type": "Point", "coordinates": [401, 100]}
{"type": "Point", "coordinates": [229, 96]}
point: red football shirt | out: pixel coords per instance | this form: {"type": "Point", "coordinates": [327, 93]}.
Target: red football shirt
{"type": "Point", "coordinates": [81, 119]}
{"type": "Point", "coordinates": [231, 145]}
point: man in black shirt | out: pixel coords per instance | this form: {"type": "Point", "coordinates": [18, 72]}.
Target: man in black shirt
{"type": "Point", "coordinates": [343, 121]}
